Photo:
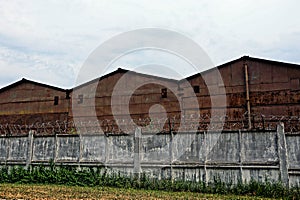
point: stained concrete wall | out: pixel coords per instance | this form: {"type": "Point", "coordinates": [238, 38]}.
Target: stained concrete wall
{"type": "Point", "coordinates": [232, 155]}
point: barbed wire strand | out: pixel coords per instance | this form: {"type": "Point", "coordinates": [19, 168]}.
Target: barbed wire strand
{"type": "Point", "coordinates": [156, 125]}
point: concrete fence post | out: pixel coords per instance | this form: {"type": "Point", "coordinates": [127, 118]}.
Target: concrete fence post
{"type": "Point", "coordinates": [80, 148]}
{"type": "Point", "coordinates": [171, 147]}
{"type": "Point", "coordinates": [241, 150]}
{"type": "Point", "coordinates": [205, 175]}
{"type": "Point", "coordinates": [56, 147]}
{"type": "Point", "coordinates": [29, 148]}
{"type": "Point", "coordinates": [137, 153]}
{"type": "Point", "coordinates": [282, 155]}
{"type": "Point", "coordinates": [7, 149]}
{"type": "Point", "coordinates": [108, 146]}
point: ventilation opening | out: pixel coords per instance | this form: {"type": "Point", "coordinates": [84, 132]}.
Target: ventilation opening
{"type": "Point", "coordinates": [68, 94]}
{"type": "Point", "coordinates": [196, 88]}
{"type": "Point", "coordinates": [80, 99]}
{"type": "Point", "coordinates": [56, 98]}
{"type": "Point", "coordinates": [164, 93]}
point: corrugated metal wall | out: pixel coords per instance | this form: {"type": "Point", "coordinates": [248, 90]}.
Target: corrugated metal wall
{"type": "Point", "coordinates": [274, 95]}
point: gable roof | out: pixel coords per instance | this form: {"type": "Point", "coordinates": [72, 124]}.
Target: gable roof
{"type": "Point", "coordinates": [23, 80]}
{"type": "Point", "coordinates": [244, 59]}
{"type": "Point", "coordinates": [121, 70]}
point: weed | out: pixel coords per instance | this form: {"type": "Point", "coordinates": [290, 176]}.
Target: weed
{"type": "Point", "coordinates": [97, 176]}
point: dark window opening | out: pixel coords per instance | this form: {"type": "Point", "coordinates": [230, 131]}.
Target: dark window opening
{"type": "Point", "coordinates": [68, 94]}
{"type": "Point", "coordinates": [80, 99]}
{"type": "Point", "coordinates": [164, 93]}
{"type": "Point", "coordinates": [56, 98]}
{"type": "Point", "coordinates": [196, 88]}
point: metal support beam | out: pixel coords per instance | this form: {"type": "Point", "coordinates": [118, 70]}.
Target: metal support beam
{"type": "Point", "coordinates": [247, 95]}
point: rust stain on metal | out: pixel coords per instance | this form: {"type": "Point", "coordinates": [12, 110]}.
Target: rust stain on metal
{"type": "Point", "coordinates": [271, 88]}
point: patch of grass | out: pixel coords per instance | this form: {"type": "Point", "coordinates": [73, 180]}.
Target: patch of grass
{"type": "Point", "coordinates": [34, 191]}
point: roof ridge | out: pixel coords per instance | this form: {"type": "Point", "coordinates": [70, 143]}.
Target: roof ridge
{"type": "Point", "coordinates": [119, 69]}
{"type": "Point", "coordinates": [23, 80]}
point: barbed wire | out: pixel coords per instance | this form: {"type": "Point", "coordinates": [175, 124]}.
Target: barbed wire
{"type": "Point", "coordinates": [157, 125]}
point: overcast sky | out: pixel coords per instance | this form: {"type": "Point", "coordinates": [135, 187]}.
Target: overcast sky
{"type": "Point", "coordinates": [48, 41]}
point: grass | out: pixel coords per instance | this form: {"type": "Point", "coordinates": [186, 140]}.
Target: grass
{"type": "Point", "coordinates": [36, 191]}
{"type": "Point", "coordinates": [94, 180]}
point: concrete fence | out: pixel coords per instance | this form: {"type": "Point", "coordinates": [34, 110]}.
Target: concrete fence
{"type": "Point", "coordinates": [231, 156]}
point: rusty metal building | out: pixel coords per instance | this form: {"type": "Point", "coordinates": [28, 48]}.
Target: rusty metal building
{"type": "Point", "coordinates": [123, 94]}
{"type": "Point", "coordinates": [259, 93]}
{"type": "Point", "coordinates": [256, 94]}
{"type": "Point", "coordinates": [28, 103]}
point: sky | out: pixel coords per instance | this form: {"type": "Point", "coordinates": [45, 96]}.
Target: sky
{"type": "Point", "coordinates": [49, 41]}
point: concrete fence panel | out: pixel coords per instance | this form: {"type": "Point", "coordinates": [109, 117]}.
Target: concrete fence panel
{"type": "Point", "coordinates": [259, 147]}
{"type": "Point", "coordinates": [18, 148]}
{"type": "Point", "coordinates": [225, 150]}
{"type": "Point", "coordinates": [43, 149]}
{"type": "Point", "coordinates": [232, 156]}
{"type": "Point", "coordinates": [92, 148]}
{"type": "Point", "coordinates": [3, 149]}
{"type": "Point", "coordinates": [120, 149]}
{"type": "Point", "coordinates": [155, 148]}
{"type": "Point", "coordinates": [67, 148]}
{"type": "Point", "coordinates": [293, 148]}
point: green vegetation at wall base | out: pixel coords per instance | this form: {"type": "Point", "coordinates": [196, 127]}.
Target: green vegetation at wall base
{"type": "Point", "coordinates": [96, 176]}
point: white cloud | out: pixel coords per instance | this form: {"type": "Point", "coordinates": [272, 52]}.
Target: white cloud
{"type": "Point", "coordinates": [49, 69]}
{"type": "Point", "coordinates": [49, 40]}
